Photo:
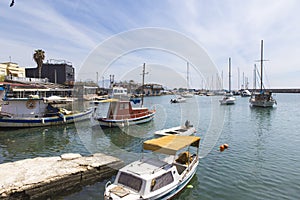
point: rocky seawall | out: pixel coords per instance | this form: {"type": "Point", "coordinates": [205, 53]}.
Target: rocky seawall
{"type": "Point", "coordinates": [45, 177]}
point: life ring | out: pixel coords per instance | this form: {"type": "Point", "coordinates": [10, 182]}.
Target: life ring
{"type": "Point", "coordinates": [31, 104]}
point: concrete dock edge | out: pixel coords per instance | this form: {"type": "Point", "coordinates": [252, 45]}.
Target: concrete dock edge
{"type": "Point", "coordinates": [45, 177]}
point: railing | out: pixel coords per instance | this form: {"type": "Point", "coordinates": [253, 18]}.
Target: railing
{"type": "Point", "coordinates": [26, 79]}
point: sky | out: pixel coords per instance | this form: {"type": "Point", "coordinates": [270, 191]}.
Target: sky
{"type": "Point", "coordinates": [105, 37]}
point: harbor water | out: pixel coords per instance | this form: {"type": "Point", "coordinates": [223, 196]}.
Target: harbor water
{"type": "Point", "coordinates": [262, 161]}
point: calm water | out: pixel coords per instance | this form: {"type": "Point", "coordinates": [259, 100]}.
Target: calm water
{"type": "Point", "coordinates": [262, 162]}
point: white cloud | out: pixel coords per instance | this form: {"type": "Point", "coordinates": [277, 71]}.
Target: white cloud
{"type": "Point", "coordinates": [71, 29]}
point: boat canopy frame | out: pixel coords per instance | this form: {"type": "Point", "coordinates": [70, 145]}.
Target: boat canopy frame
{"type": "Point", "coordinates": [171, 144]}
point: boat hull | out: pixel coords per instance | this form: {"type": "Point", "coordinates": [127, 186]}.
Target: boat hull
{"type": "Point", "coordinates": [180, 186]}
{"type": "Point", "coordinates": [263, 104]}
{"type": "Point", "coordinates": [167, 194]}
{"type": "Point", "coordinates": [176, 131]}
{"type": "Point", "coordinates": [7, 122]}
{"type": "Point", "coordinates": [125, 122]}
{"type": "Point", "coordinates": [229, 101]}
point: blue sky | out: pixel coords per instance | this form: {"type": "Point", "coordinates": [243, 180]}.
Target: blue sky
{"type": "Point", "coordinates": [72, 30]}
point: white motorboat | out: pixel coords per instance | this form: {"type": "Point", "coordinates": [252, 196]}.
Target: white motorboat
{"type": "Point", "coordinates": [245, 93]}
{"type": "Point", "coordinates": [187, 95]}
{"type": "Point", "coordinates": [179, 99]}
{"type": "Point", "coordinates": [185, 129]}
{"type": "Point", "coordinates": [228, 99]}
{"type": "Point", "coordinates": [157, 178]}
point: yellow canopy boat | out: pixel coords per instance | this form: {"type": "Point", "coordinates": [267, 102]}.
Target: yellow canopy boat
{"type": "Point", "coordinates": [171, 144]}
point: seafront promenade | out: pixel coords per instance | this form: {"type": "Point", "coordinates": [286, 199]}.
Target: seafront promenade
{"type": "Point", "coordinates": [44, 177]}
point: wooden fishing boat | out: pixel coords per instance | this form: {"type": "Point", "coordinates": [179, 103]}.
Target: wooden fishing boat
{"type": "Point", "coordinates": [157, 178]}
{"type": "Point", "coordinates": [35, 112]}
{"type": "Point", "coordinates": [121, 113]}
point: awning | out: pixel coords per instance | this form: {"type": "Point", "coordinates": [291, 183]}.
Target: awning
{"type": "Point", "coordinates": [171, 144]}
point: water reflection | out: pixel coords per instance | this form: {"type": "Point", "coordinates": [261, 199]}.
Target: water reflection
{"type": "Point", "coordinates": [262, 118]}
{"type": "Point", "coordinates": [262, 124]}
{"type": "Point", "coordinates": [33, 142]}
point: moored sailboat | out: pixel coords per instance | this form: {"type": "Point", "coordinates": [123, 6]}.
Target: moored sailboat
{"type": "Point", "coordinates": [262, 98]}
{"type": "Point", "coordinates": [228, 98]}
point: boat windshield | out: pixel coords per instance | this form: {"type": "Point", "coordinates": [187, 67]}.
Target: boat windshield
{"type": "Point", "coordinates": [130, 181]}
{"type": "Point", "coordinates": [161, 181]}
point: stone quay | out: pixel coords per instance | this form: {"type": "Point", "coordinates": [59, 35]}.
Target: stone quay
{"type": "Point", "coordinates": [45, 177]}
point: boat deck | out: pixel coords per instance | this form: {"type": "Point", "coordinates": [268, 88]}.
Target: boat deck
{"type": "Point", "coordinates": [147, 166]}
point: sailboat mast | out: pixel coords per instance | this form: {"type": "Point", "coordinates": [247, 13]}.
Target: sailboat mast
{"type": "Point", "coordinates": [261, 65]}
{"type": "Point", "coordinates": [187, 75]}
{"type": "Point", "coordinates": [143, 80]}
{"type": "Point", "coordinates": [254, 77]}
{"type": "Point", "coordinates": [229, 74]}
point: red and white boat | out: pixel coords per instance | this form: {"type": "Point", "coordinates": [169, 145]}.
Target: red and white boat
{"type": "Point", "coordinates": [121, 113]}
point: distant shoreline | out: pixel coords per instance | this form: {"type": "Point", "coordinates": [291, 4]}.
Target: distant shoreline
{"type": "Point", "coordinates": [294, 90]}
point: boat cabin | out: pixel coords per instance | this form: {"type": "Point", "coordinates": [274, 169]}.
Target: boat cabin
{"type": "Point", "coordinates": [24, 107]}
{"type": "Point", "coordinates": [123, 110]}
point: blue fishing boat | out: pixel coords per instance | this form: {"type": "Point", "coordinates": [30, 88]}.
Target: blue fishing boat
{"type": "Point", "coordinates": [34, 111]}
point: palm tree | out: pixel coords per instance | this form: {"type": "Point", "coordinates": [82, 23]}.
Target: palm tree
{"type": "Point", "coordinates": [39, 56]}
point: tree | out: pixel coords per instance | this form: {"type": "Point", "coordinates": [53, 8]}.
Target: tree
{"type": "Point", "coordinates": [39, 56]}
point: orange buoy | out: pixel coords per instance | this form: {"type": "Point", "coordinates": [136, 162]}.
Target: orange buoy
{"type": "Point", "coordinates": [222, 148]}
{"type": "Point", "coordinates": [226, 146]}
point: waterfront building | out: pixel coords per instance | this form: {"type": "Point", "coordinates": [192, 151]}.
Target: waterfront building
{"type": "Point", "coordinates": [10, 70]}
{"type": "Point", "coordinates": [151, 89]}
{"type": "Point", "coordinates": [56, 71]}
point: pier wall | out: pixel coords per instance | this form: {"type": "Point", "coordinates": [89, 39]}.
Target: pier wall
{"type": "Point", "coordinates": [292, 90]}
{"type": "Point", "coordinates": [45, 177]}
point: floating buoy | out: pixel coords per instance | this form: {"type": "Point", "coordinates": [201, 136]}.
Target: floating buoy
{"type": "Point", "coordinates": [222, 147]}
{"type": "Point", "coordinates": [190, 186]}
{"type": "Point", "coordinates": [226, 146]}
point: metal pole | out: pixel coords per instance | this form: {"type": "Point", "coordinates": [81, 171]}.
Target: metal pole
{"type": "Point", "coordinates": [229, 74]}
{"type": "Point", "coordinates": [143, 80]}
{"type": "Point", "coordinates": [261, 65]}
